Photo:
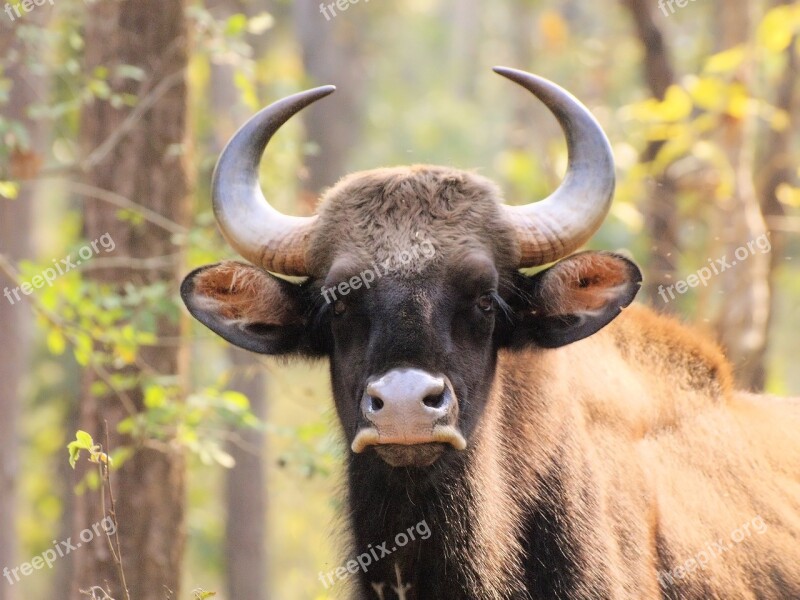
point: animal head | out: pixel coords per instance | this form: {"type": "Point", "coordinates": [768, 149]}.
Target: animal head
{"type": "Point", "coordinates": [413, 283]}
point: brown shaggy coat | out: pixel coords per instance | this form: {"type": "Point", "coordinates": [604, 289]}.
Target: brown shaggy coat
{"type": "Point", "coordinates": [623, 465]}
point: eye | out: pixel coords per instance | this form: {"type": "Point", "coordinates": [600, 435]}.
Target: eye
{"type": "Point", "coordinates": [339, 307]}
{"type": "Point", "coordinates": [486, 303]}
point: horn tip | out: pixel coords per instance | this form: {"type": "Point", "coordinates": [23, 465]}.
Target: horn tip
{"type": "Point", "coordinates": [505, 71]}
{"type": "Point", "coordinates": [518, 75]}
{"type": "Point", "coordinates": [324, 90]}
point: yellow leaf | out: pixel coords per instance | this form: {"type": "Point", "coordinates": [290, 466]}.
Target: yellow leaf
{"type": "Point", "coordinates": [739, 104]}
{"type": "Point", "coordinates": [677, 104]}
{"type": "Point", "coordinates": [779, 120]}
{"type": "Point", "coordinates": [726, 61]}
{"type": "Point", "coordinates": [9, 189]}
{"type": "Point", "coordinates": [629, 215]}
{"type": "Point", "coordinates": [247, 89]}
{"type": "Point", "coordinates": [788, 195]}
{"type": "Point", "coordinates": [709, 93]}
{"type": "Point", "coordinates": [777, 28]}
{"type": "Point", "coordinates": [553, 29]}
{"type": "Point", "coordinates": [55, 342]}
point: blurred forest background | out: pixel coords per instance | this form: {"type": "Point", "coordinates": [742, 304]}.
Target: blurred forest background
{"type": "Point", "coordinates": [225, 471]}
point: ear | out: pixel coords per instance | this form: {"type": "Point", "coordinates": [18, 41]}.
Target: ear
{"type": "Point", "coordinates": [575, 298]}
{"type": "Point", "coordinates": [248, 307]}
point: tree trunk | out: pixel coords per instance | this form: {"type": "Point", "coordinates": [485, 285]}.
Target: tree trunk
{"type": "Point", "coordinates": [246, 489]}
{"type": "Point", "coordinates": [660, 205]}
{"type": "Point", "coordinates": [464, 52]}
{"type": "Point", "coordinates": [145, 164]}
{"type": "Point", "coordinates": [15, 235]}
{"type": "Point", "coordinates": [776, 167]}
{"type": "Point", "coordinates": [245, 483]}
{"type": "Point", "coordinates": [330, 56]}
{"type": "Point", "coordinates": [742, 323]}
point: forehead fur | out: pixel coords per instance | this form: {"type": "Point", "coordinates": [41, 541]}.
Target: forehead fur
{"type": "Point", "coordinates": [432, 213]}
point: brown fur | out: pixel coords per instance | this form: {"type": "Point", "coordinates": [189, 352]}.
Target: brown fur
{"type": "Point", "coordinates": [596, 470]}
{"type": "Point", "coordinates": [583, 286]}
{"type": "Point", "coordinates": [643, 416]}
{"type": "Point", "coordinates": [240, 293]}
{"type": "Point", "coordinates": [374, 215]}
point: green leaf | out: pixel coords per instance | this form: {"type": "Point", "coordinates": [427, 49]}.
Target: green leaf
{"type": "Point", "coordinates": [83, 350]}
{"type": "Point", "coordinates": [83, 441]}
{"type": "Point", "coordinates": [74, 450]}
{"type": "Point", "coordinates": [155, 397]}
{"type": "Point", "coordinates": [236, 399]}
{"type": "Point", "coordinates": [84, 438]}
{"type": "Point", "coordinates": [56, 342]}
{"type": "Point", "coordinates": [131, 72]}
{"type": "Point", "coordinates": [100, 89]}
{"type": "Point", "coordinates": [236, 24]}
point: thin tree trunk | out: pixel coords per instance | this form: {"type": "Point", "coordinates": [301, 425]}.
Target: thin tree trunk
{"type": "Point", "coordinates": [15, 235]}
{"type": "Point", "coordinates": [742, 323]}
{"type": "Point", "coordinates": [330, 52]}
{"type": "Point", "coordinates": [776, 164]}
{"type": "Point", "coordinates": [245, 483]}
{"type": "Point", "coordinates": [660, 205]}
{"type": "Point", "coordinates": [246, 489]}
{"type": "Point", "coordinates": [466, 19]}
{"type": "Point", "coordinates": [525, 112]}
{"type": "Point", "coordinates": [146, 164]}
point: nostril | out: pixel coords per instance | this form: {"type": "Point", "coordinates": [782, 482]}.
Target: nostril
{"type": "Point", "coordinates": [375, 403]}
{"type": "Point", "coordinates": [434, 400]}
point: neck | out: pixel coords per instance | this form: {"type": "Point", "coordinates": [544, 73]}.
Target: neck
{"type": "Point", "coordinates": [459, 513]}
{"type": "Point", "coordinates": [492, 521]}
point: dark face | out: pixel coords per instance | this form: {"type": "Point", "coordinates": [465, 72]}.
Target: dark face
{"type": "Point", "coordinates": [413, 358]}
{"type": "Point", "coordinates": [412, 355]}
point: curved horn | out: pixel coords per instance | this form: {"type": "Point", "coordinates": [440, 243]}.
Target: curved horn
{"type": "Point", "coordinates": [258, 232]}
{"type": "Point", "coordinates": [565, 220]}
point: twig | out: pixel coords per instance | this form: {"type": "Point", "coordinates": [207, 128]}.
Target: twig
{"type": "Point", "coordinates": [787, 224]}
{"type": "Point", "coordinates": [68, 328]}
{"type": "Point", "coordinates": [122, 202]}
{"type": "Point", "coordinates": [92, 591]}
{"type": "Point", "coordinates": [113, 514]}
{"type": "Point", "coordinates": [99, 153]}
{"type": "Point", "coordinates": [145, 264]}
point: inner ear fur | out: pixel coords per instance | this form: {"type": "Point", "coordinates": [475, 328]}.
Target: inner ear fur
{"type": "Point", "coordinates": [574, 299]}
{"type": "Point", "coordinates": [586, 282]}
{"type": "Point", "coordinates": [249, 307]}
{"type": "Point", "coordinates": [240, 292]}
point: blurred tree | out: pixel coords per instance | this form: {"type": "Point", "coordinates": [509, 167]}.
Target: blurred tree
{"type": "Point", "coordinates": [776, 168]}
{"type": "Point", "coordinates": [15, 244]}
{"type": "Point", "coordinates": [744, 314]}
{"type": "Point", "coordinates": [331, 54]}
{"type": "Point", "coordinates": [246, 488]}
{"type": "Point", "coordinates": [245, 482]}
{"type": "Point", "coordinates": [139, 154]}
{"type": "Point", "coordinates": [523, 26]}
{"type": "Point", "coordinates": [660, 206]}
{"type": "Point", "coordinates": [464, 51]}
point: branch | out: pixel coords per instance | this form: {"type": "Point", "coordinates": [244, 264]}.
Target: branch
{"type": "Point", "coordinates": [98, 154]}
{"type": "Point", "coordinates": [68, 329]}
{"type": "Point", "coordinates": [117, 555]}
{"type": "Point", "coordinates": [121, 201]}
{"type": "Point", "coordinates": [144, 264]}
